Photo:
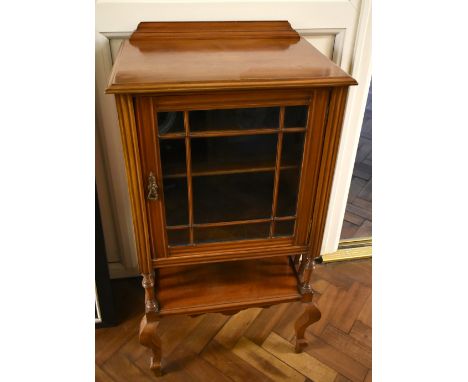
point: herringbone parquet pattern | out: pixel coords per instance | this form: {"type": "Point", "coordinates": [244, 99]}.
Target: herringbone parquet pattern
{"type": "Point", "coordinates": [358, 216]}
{"type": "Point", "coordinates": [253, 345]}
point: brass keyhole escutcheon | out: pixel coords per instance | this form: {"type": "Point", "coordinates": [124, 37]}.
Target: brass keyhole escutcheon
{"type": "Point", "coordinates": [153, 190]}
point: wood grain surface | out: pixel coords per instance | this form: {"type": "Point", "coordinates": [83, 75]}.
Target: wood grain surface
{"type": "Point", "coordinates": [252, 345]}
{"type": "Point", "coordinates": [207, 56]}
{"type": "Point", "coordinates": [214, 65]}
{"type": "Point", "coordinates": [231, 286]}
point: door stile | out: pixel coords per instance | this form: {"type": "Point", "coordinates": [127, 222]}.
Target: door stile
{"type": "Point", "coordinates": [151, 163]}
{"type": "Point", "coordinates": [132, 155]}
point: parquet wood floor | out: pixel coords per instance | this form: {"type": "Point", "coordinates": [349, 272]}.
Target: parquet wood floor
{"type": "Point", "coordinates": [253, 345]}
{"type": "Point", "coordinates": [358, 216]}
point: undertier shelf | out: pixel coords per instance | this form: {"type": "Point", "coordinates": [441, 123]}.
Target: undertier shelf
{"type": "Point", "coordinates": [226, 286]}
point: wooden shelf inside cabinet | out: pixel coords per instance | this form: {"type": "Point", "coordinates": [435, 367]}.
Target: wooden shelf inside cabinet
{"type": "Point", "coordinates": [230, 133]}
{"type": "Point", "coordinates": [226, 286]}
{"type": "Point", "coordinates": [178, 171]}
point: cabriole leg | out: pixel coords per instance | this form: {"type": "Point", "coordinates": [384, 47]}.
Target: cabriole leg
{"type": "Point", "coordinates": [311, 312]}
{"type": "Point", "coordinates": [150, 339]}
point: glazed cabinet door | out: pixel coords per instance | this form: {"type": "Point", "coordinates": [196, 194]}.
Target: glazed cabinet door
{"type": "Point", "coordinates": [224, 176]}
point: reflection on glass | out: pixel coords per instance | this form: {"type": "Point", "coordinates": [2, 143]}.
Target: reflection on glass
{"type": "Point", "coordinates": [232, 176]}
{"type": "Point", "coordinates": [233, 232]}
{"type": "Point", "coordinates": [234, 119]}
{"type": "Point", "coordinates": [178, 236]}
{"type": "Point", "coordinates": [287, 192]}
{"type": "Point", "coordinates": [233, 154]}
{"type": "Point", "coordinates": [175, 200]}
{"type": "Point", "coordinates": [293, 144]}
{"type": "Point", "coordinates": [232, 197]}
{"type": "Point", "coordinates": [295, 116]}
{"type": "Point", "coordinates": [173, 157]}
{"type": "Point", "coordinates": [284, 228]}
{"type": "Point", "coordinates": [174, 181]}
{"type": "Point", "coordinates": [170, 122]}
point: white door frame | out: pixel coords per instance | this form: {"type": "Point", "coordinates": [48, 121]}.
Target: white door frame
{"type": "Point", "coordinates": [361, 70]}
{"type": "Point", "coordinates": [339, 28]}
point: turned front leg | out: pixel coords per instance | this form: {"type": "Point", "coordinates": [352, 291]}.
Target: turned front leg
{"type": "Point", "coordinates": [149, 324]}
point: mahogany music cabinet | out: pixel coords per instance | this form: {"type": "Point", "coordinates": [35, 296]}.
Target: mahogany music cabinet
{"type": "Point", "coordinates": [230, 133]}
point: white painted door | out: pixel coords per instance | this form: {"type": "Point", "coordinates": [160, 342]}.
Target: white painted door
{"type": "Point", "coordinates": [340, 29]}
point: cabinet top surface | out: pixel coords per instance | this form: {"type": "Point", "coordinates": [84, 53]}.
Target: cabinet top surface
{"type": "Point", "coordinates": [185, 56]}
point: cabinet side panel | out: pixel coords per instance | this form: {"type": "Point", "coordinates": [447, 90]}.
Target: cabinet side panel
{"type": "Point", "coordinates": [128, 133]}
{"type": "Point", "coordinates": [327, 167]}
{"type": "Point", "coordinates": [311, 162]}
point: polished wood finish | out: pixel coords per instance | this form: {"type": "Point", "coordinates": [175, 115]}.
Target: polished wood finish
{"type": "Point", "coordinates": [314, 141]}
{"type": "Point", "coordinates": [226, 286]}
{"type": "Point", "coordinates": [128, 132]}
{"type": "Point", "coordinates": [253, 345]}
{"type": "Point", "coordinates": [327, 167]}
{"type": "Point", "coordinates": [149, 146]}
{"type": "Point", "coordinates": [188, 68]}
{"type": "Point", "coordinates": [149, 338]}
{"type": "Point", "coordinates": [183, 57]}
{"type": "Point", "coordinates": [317, 136]}
{"type": "Point", "coordinates": [232, 99]}
{"type": "Point", "coordinates": [148, 31]}
{"type": "Point", "coordinates": [227, 251]}
{"type": "Point", "coordinates": [311, 314]}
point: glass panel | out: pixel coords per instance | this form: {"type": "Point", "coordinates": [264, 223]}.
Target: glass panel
{"type": "Point", "coordinates": [174, 181]}
{"type": "Point", "coordinates": [295, 116]}
{"type": "Point", "coordinates": [291, 154]}
{"type": "Point", "coordinates": [233, 154]}
{"type": "Point", "coordinates": [173, 157]}
{"type": "Point", "coordinates": [175, 200]}
{"type": "Point", "coordinates": [284, 228]}
{"type": "Point", "coordinates": [233, 232]}
{"type": "Point", "coordinates": [232, 197]}
{"type": "Point", "coordinates": [178, 236]}
{"type": "Point", "coordinates": [234, 119]}
{"type": "Point", "coordinates": [171, 122]}
{"type": "Point", "coordinates": [291, 160]}
{"type": "Point", "coordinates": [232, 177]}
